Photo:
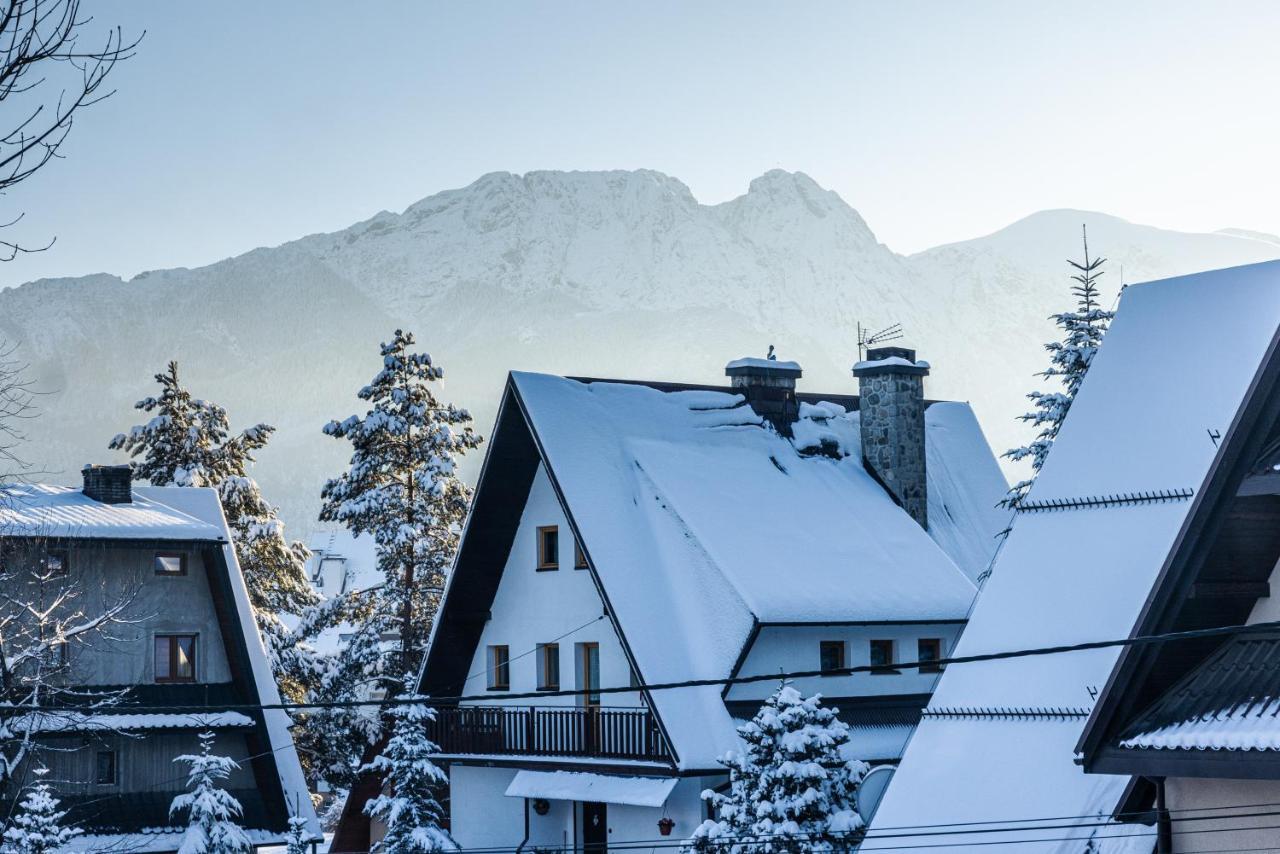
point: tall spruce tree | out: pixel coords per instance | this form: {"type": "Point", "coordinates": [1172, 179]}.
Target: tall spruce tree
{"type": "Point", "coordinates": [403, 490]}
{"type": "Point", "coordinates": [37, 828]}
{"type": "Point", "coordinates": [408, 805]}
{"type": "Point", "coordinates": [213, 813]}
{"type": "Point", "coordinates": [792, 790]}
{"type": "Point", "coordinates": [1069, 359]}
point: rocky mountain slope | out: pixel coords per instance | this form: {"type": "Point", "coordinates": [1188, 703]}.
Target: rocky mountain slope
{"type": "Point", "coordinates": [606, 274]}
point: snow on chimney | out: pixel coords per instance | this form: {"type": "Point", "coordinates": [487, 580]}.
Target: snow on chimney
{"type": "Point", "coordinates": [769, 387]}
{"type": "Point", "coordinates": [108, 484]}
{"type": "Point", "coordinates": [891, 415]}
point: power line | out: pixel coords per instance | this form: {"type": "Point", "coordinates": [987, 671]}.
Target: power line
{"type": "Point", "coordinates": [1140, 640]}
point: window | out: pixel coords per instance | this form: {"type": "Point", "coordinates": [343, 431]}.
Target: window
{"type": "Point", "coordinates": [548, 667]}
{"type": "Point", "coordinates": [106, 774]}
{"type": "Point", "coordinates": [499, 668]}
{"type": "Point", "coordinates": [548, 548]}
{"type": "Point", "coordinates": [831, 655]}
{"type": "Point", "coordinates": [175, 658]}
{"type": "Point", "coordinates": [589, 673]}
{"type": "Point", "coordinates": [882, 657]}
{"type": "Point", "coordinates": [56, 563]}
{"type": "Point", "coordinates": [929, 649]}
{"type": "Point", "coordinates": [171, 563]}
{"type": "Point", "coordinates": [579, 556]}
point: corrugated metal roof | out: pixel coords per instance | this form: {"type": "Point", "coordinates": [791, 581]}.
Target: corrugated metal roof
{"type": "Point", "coordinates": [42, 510]}
{"type": "Point", "coordinates": [1230, 702]}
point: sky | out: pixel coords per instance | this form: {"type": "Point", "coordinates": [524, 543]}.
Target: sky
{"type": "Point", "coordinates": [244, 125]}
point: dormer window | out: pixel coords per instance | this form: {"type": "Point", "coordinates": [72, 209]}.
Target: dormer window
{"type": "Point", "coordinates": [548, 548]}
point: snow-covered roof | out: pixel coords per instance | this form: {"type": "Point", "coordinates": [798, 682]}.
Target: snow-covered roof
{"type": "Point", "coordinates": [152, 841]}
{"type": "Point", "coordinates": [989, 746]}
{"type": "Point", "coordinates": [55, 721]}
{"type": "Point", "coordinates": [41, 510]}
{"type": "Point", "coordinates": [1249, 727]}
{"type": "Point", "coordinates": [202, 503]}
{"type": "Point", "coordinates": [358, 555]}
{"type": "Point", "coordinates": [695, 514]}
{"type": "Point", "coordinates": [755, 362]}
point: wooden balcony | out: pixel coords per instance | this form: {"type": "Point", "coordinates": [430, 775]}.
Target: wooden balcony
{"type": "Point", "coordinates": [602, 733]}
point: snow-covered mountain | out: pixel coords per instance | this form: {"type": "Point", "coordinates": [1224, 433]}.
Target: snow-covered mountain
{"type": "Point", "coordinates": [597, 273]}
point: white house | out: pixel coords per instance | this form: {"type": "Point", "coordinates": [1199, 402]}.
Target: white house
{"type": "Point", "coordinates": [341, 563]}
{"type": "Point", "coordinates": [626, 534]}
{"type": "Point", "coordinates": [1139, 521]}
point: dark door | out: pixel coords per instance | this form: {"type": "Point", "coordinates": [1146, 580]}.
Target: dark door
{"type": "Point", "coordinates": [595, 828]}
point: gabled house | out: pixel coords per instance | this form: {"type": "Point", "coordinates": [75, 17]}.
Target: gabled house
{"type": "Point", "coordinates": [1147, 487]}
{"type": "Point", "coordinates": [625, 534]}
{"type": "Point", "coordinates": [184, 657]}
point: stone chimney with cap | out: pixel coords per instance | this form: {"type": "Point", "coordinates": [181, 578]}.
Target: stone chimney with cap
{"type": "Point", "coordinates": [769, 387]}
{"type": "Point", "coordinates": [108, 484]}
{"type": "Point", "coordinates": [891, 415]}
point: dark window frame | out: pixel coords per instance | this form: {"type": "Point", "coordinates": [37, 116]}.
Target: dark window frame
{"type": "Point", "coordinates": [114, 765]}
{"type": "Point", "coordinates": [548, 666]}
{"type": "Point", "coordinates": [890, 665]}
{"type": "Point", "coordinates": [173, 646]}
{"type": "Point", "coordinates": [921, 645]}
{"type": "Point", "coordinates": [839, 648]}
{"type": "Point", "coordinates": [499, 670]}
{"type": "Point", "coordinates": [64, 562]}
{"type": "Point", "coordinates": [182, 564]}
{"type": "Point", "coordinates": [579, 556]}
{"type": "Point", "coordinates": [590, 696]}
{"type": "Point", "coordinates": [548, 563]}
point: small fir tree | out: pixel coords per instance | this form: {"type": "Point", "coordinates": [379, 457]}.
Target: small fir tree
{"type": "Point", "coordinates": [402, 489]}
{"type": "Point", "coordinates": [37, 828]}
{"type": "Point", "coordinates": [212, 812]}
{"type": "Point", "coordinates": [1069, 360]}
{"type": "Point", "coordinates": [792, 790]}
{"type": "Point", "coordinates": [408, 805]}
{"type": "Point", "coordinates": [296, 838]}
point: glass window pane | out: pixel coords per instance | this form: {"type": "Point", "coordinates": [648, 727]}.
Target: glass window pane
{"type": "Point", "coordinates": [592, 653]}
{"type": "Point", "coordinates": [831, 655]}
{"type": "Point", "coordinates": [106, 767]}
{"type": "Point", "coordinates": [185, 658]}
{"type": "Point", "coordinates": [169, 564]}
{"type": "Point", "coordinates": [162, 658]}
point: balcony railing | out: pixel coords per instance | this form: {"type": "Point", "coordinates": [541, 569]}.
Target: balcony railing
{"type": "Point", "coordinates": [605, 733]}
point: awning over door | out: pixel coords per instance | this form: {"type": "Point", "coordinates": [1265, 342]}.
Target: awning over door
{"type": "Point", "coordinates": [591, 788]}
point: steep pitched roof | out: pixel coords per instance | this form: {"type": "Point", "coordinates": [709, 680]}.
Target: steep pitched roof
{"type": "Point", "coordinates": [696, 517]}
{"type": "Point", "coordinates": [998, 739]}
{"type": "Point", "coordinates": [42, 510]}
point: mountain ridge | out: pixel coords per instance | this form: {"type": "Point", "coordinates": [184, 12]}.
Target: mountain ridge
{"type": "Point", "coordinates": [620, 273]}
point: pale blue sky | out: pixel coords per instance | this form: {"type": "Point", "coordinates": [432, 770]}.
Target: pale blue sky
{"type": "Point", "coordinates": [241, 125]}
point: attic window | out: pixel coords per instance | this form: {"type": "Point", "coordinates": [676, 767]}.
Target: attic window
{"type": "Point", "coordinates": [882, 657]}
{"type": "Point", "coordinates": [499, 668]}
{"type": "Point", "coordinates": [831, 655]}
{"type": "Point", "coordinates": [579, 556]}
{"type": "Point", "coordinates": [171, 563]}
{"type": "Point", "coordinates": [929, 649]}
{"type": "Point", "coordinates": [548, 548]}
{"type": "Point", "coordinates": [175, 658]}
{"type": "Point", "coordinates": [56, 563]}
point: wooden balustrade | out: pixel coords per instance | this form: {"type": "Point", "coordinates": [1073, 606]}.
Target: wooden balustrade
{"type": "Point", "coordinates": [606, 733]}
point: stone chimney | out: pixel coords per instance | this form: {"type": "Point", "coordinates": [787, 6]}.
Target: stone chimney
{"type": "Point", "coordinates": [891, 414]}
{"type": "Point", "coordinates": [108, 484]}
{"type": "Point", "coordinates": [769, 387]}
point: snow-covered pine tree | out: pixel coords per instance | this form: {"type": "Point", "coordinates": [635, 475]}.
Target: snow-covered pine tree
{"type": "Point", "coordinates": [408, 805]}
{"type": "Point", "coordinates": [296, 838]}
{"type": "Point", "coordinates": [37, 828]}
{"type": "Point", "coordinates": [792, 790]}
{"type": "Point", "coordinates": [402, 489]}
{"type": "Point", "coordinates": [212, 812]}
{"type": "Point", "coordinates": [1069, 359]}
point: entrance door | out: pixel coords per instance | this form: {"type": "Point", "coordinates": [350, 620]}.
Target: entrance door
{"type": "Point", "coordinates": [595, 828]}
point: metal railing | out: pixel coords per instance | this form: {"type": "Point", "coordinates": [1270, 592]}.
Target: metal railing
{"type": "Point", "coordinates": [600, 732]}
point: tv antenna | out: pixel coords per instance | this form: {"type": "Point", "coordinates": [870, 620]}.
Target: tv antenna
{"type": "Point", "coordinates": [867, 338]}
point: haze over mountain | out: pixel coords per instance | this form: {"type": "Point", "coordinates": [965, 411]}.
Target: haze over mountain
{"type": "Point", "coordinates": [591, 273]}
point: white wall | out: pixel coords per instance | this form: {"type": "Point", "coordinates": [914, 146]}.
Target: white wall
{"type": "Point", "coordinates": [1268, 610]}
{"type": "Point", "coordinates": [534, 607]}
{"type": "Point", "coordinates": [481, 815]}
{"type": "Point", "coordinates": [779, 649]}
{"type": "Point", "coordinates": [1224, 834]}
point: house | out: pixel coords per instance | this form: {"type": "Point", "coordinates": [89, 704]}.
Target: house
{"type": "Point", "coordinates": [341, 563]}
{"type": "Point", "coordinates": [184, 657]}
{"type": "Point", "coordinates": [625, 534]}
{"type": "Point", "coordinates": [1140, 493]}
{"type": "Point", "coordinates": [1194, 724]}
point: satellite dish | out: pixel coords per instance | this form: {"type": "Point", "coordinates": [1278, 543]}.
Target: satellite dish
{"type": "Point", "coordinates": [872, 790]}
